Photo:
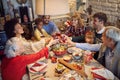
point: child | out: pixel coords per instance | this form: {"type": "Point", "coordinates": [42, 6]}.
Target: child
{"type": "Point", "coordinates": [89, 37]}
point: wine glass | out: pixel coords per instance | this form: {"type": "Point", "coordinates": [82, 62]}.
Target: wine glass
{"type": "Point", "coordinates": [46, 57]}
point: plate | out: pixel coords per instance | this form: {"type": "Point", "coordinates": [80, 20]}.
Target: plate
{"type": "Point", "coordinates": [74, 49]}
{"type": "Point", "coordinates": [38, 67]}
{"type": "Point", "coordinates": [105, 73]}
{"type": "Point", "coordinates": [72, 75]}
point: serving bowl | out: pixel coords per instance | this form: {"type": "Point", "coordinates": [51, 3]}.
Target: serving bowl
{"type": "Point", "coordinates": [59, 49]}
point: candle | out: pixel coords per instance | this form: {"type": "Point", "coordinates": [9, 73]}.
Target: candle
{"type": "Point", "coordinates": [30, 14]}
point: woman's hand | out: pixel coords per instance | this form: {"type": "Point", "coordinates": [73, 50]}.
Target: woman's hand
{"type": "Point", "coordinates": [52, 42]}
{"type": "Point", "coordinates": [69, 41]}
{"type": "Point", "coordinates": [47, 39]}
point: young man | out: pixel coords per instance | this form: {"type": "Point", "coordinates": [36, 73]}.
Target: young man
{"type": "Point", "coordinates": [99, 20]}
{"type": "Point", "coordinates": [49, 26]}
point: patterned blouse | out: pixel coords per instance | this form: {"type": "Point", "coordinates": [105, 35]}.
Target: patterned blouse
{"type": "Point", "coordinates": [16, 46]}
{"type": "Point", "coordinates": [71, 31]}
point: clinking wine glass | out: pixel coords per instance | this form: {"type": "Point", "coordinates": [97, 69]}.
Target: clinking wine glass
{"type": "Point", "coordinates": [46, 57]}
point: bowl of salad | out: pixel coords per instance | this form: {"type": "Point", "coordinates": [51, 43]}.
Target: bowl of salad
{"type": "Point", "coordinates": [59, 49]}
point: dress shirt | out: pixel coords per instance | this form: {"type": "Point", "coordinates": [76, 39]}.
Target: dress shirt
{"type": "Point", "coordinates": [87, 46]}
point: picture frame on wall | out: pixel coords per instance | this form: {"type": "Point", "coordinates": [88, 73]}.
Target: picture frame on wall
{"type": "Point", "coordinates": [2, 23]}
{"type": "Point", "coordinates": [21, 1]}
{"type": "Point", "coordinates": [2, 20]}
{"type": "Point", "coordinates": [7, 17]}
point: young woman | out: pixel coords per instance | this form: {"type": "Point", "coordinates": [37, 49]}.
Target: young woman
{"type": "Point", "coordinates": [76, 28]}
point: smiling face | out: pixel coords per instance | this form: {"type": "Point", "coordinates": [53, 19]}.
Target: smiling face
{"type": "Point", "coordinates": [89, 37]}
{"type": "Point", "coordinates": [74, 22]}
{"type": "Point", "coordinates": [46, 19]}
{"type": "Point", "coordinates": [106, 41]}
{"type": "Point", "coordinates": [89, 40]}
{"type": "Point", "coordinates": [96, 23]}
{"type": "Point", "coordinates": [18, 29]}
{"type": "Point", "coordinates": [40, 25]}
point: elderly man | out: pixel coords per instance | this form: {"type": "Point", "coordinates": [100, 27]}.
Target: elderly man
{"type": "Point", "coordinates": [49, 26]}
{"type": "Point", "coordinates": [109, 50]}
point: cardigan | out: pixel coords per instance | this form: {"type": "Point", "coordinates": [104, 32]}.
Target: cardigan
{"type": "Point", "coordinates": [38, 34]}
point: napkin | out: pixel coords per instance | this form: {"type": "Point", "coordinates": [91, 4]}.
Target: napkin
{"type": "Point", "coordinates": [38, 67]}
{"type": "Point", "coordinates": [102, 74]}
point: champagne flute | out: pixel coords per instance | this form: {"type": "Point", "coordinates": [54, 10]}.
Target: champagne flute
{"type": "Point", "coordinates": [46, 57]}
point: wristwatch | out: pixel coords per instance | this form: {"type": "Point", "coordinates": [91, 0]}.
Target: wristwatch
{"type": "Point", "coordinates": [21, 1]}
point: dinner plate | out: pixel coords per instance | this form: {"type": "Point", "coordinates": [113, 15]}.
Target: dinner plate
{"type": "Point", "coordinates": [71, 75]}
{"type": "Point", "coordinates": [105, 73]}
{"type": "Point", "coordinates": [38, 67]}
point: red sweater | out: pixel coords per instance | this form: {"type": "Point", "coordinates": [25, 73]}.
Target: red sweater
{"type": "Point", "coordinates": [15, 68]}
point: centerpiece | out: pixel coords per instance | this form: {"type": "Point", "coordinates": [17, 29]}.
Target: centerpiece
{"type": "Point", "coordinates": [59, 48]}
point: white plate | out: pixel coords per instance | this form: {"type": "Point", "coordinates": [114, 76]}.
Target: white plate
{"type": "Point", "coordinates": [37, 67]}
{"type": "Point", "coordinates": [104, 73]}
{"type": "Point", "coordinates": [70, 74]}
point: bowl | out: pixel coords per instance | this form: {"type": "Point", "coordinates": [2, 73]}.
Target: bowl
{"type": "Point", "coordinates": [59, 53]}
{"type": "Point", "coordinates": [77, 56]}
{"type": "Point", "coordinates": [59, 68]}
{"type": "Point", "coordinates": [59, 49]}
{"type": "Point", "coordinates": [67, 58]}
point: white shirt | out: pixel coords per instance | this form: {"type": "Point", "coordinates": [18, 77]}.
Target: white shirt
{"type": "Point", "coordinates": [101, 31]}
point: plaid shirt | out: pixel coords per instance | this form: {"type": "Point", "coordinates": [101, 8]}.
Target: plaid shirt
{"type": "Point", "coordinates": [71, 31]}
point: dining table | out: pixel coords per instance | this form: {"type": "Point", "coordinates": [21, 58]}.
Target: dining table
{"type": "Point", "coordinates": [50, 69]}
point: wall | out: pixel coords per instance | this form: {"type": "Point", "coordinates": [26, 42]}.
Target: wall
{"type": "Point", "coordinates": [110, 7]}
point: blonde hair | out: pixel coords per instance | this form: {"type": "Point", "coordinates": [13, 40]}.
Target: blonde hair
{"type": "Point", "coordinates": [76, 15]}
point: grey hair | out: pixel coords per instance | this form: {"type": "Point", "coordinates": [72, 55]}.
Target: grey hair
{"type": "Point", "coordinates": [113, 33]}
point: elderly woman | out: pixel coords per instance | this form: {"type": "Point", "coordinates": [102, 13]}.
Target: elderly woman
{"type": "Point", "coordinates": [14, 63]}
{"type": "Point", "coordinates": [109, 50]}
